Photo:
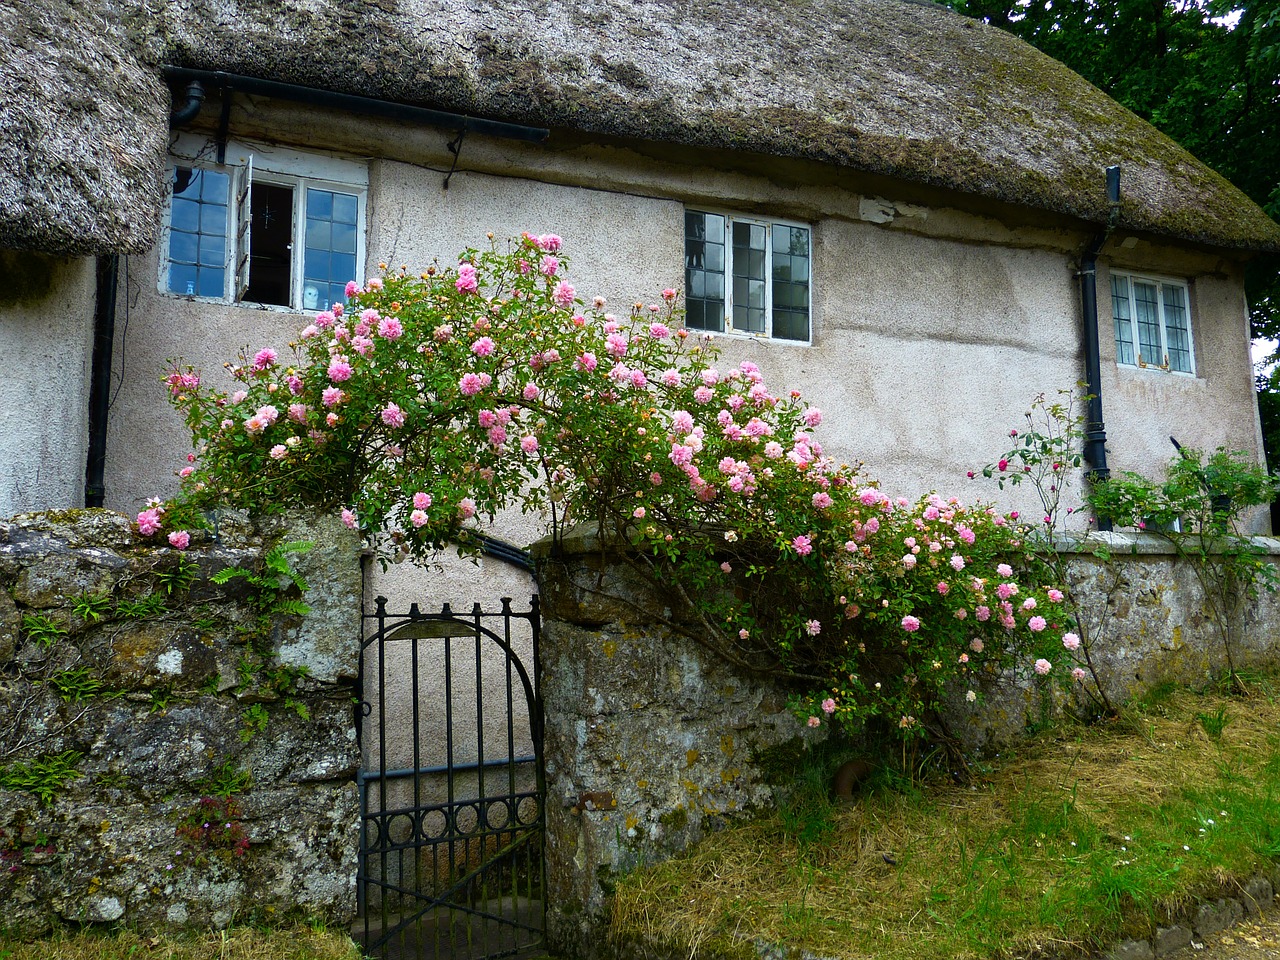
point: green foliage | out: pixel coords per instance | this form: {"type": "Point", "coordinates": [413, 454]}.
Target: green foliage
{"type": "Point", "coordinates": [177, 578]}
{"type": "Point", "coordinates": [1199, 508]}
{"type": "Point", "coordinates": [1214, 723]}
{"type": "Point", "coordinates": [227, 779]}
{"type": "Point", "coordinates": [255, 719]}
{"type": "Point", "coordinates": [92, 607]}
{"type": "Point", "coordinates": [79, 683]}
{"type": "Point", "coordinates": [427, 402]}
{"type": "Point", "coordinates": [271, 586]}
{"type": "Point", "coordinates": [1045, 455]}
{"type": "Point", "coordinates": [142, 608]}
{"type": "Point", "coordinates": [41, 630]}
{"type": "Point", "coordinates": [44, 776]}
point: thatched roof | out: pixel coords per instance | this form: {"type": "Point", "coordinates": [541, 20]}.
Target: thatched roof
{"type": "Point", "coordinates": [901, 88]}
{"type": "Point", "coordinates": [82, 130]}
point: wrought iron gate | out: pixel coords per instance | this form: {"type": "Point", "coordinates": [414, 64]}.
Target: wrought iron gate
{"type": "Point", "coordinates": [451, 785]}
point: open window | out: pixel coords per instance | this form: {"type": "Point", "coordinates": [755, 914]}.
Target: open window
{"type": "Point", "coordinates": [269, 227]}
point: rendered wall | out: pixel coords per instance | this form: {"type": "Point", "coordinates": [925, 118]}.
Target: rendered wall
{"type": "Point", "coordinates": [145, 710]}
{"type": "Point", "coordinates": [937, 318]}
{"type": "Point", "coordinates": [46, 343]}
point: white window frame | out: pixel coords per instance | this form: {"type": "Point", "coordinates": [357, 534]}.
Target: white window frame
{"type": "Point", "coordinates": [730, 218]}
{"type": "Point", "coordinates": [1160, 282]}
{"type": "Point", "coordinates": [248, 163]}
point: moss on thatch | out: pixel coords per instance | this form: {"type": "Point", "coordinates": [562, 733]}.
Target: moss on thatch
{"type": "Point", "coordinates": [899, 88]}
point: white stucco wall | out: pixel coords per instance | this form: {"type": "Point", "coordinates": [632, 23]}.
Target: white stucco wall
{"type": "Point", "coordinates": [933, 326]}
{"type": "Point", "coordinates": [46, 343]}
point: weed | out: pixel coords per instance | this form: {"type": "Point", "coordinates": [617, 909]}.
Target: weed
{"type": "Point", "coordinates": [76, 684]}
{"type": "Point", "coordinates": [178, 578]}
{"type": "Point", "coordinates": [227, 779]}
{"type": "Point", "coordinates": [276, 580]}
{"type": "Point", "coordinates": [42, 630]}
{"type": "Point", "coordinates": [146, 608]}
{"type": "Point", "coordinates": [255, 721]}
{"type": "Point", "coordinates": [44, 776]}
{"type": "Point", "coordinates": [91, 607]}
{"type": "Point", "coordinates": [1214, 723]}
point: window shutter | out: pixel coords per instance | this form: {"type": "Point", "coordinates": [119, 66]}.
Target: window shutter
{"type": "Point", "coordinates": [244, 222]}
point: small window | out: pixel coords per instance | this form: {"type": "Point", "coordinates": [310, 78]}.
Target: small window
{"type": "Point", "coordinates": [265, 228]}
{"type": "Point", "coordinates": [746, 276]}
{"type": "Point", "coordinates": [1152, 323]}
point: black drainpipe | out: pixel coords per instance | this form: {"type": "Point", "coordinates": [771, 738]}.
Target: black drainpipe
{"type": "Point", "coordinates": [1095, 430]}
{"type": "Point", "coordinates": [104, 332]}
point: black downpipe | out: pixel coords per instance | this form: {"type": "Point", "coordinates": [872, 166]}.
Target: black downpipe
{"type": "Point", "coordinates": [104, 333]}
{"type": "Point", "coordinates": [189, 110]}
{"type": "Point", "coordinates": [1095, 429]}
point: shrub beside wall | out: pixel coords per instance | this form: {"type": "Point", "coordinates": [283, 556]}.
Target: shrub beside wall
{"type": "Point", "coordinates": [170, 755]}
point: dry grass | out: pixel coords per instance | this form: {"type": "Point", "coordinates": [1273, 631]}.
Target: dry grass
{"type": "Point", "coordinates": [1079, 838]}
{"type": "Point", "coordinates": [245, 943]}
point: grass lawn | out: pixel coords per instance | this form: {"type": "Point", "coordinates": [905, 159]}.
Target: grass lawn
{"type": "Point", "coordinates": [1079, 837]}
{"type": "Point", "coordinates": [244, 943]}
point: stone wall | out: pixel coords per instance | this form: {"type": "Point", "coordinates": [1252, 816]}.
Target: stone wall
{"type": "Point", "coordinates": [650, 740]}
{"type": "Point", "coordinates": [126, 715]}
{"type": "Point", "coordinates": [1147, 610]}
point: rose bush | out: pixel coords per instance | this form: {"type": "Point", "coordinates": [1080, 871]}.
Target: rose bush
{"type": "Point", "coordinates": [429, 403]}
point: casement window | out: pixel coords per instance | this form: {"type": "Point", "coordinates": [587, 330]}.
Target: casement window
{"type": "Point", "coordinates": [268, 227]}
{"type": "Point", "coordinates": [1153, 322]}
{"type": "Point", "coordinates": [746, 275]}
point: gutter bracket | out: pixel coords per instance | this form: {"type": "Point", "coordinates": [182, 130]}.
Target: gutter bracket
{"type": "Point", "coordinates": [224, 122]}
{"type": "Point", "coordinates": [455, 147]}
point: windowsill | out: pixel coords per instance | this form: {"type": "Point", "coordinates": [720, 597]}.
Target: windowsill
{"type": "Point", "coordinates": [243, 304]}
{"type": "Point", "coordinates": [1161, 371]}
{"type": "Point", "coordinates": [753, 337]}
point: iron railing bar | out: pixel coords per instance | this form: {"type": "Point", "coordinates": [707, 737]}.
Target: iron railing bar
{"type": "Point", "coordinates": [364, 776]}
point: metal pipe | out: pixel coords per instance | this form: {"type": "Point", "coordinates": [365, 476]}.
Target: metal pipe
{"type": "Point", "coordinates": [104, 332]}
{"type": "Point", "coordinates": [369, 106]}
{"type": "Point", "coordinates": [1095, 430]}
{"type": "Point", "coordinates": [191, 109]}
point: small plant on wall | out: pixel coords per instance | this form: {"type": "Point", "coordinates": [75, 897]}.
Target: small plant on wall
{"type": "Point", "coordinates": [430, 402]}
{"type": "Point", "coordinates": [1200, 507]}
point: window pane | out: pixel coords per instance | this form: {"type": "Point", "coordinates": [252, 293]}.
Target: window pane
{"type": "Point", "coordinates": [1177, 331]}
{"type": "Point", "coordinates": [344, 238]}
{"type": "Point", "coordinates": [1122, 314]}
{"type": "Point", "coordinates": [319, 234]}
{"type": "Point", "coordinates": [329, 260]}
{"type": "Point", "coordinates": [320, 204]}
{"type": "Point", "coordinates": [197, 232]}
{"type": "Point", "coordinates": [184, 247]}
{"type": "Point", "coordinates": [1147, 313]}
{"type": "Point", "coordinates": [211, 282]}
{"type": "Point", "coordinates": [344, 208]}
{"type": "Point", "coordinates": [704, 270]}
{"type": "Point", "coordinates": [213, 251]}
{"type": "Point", "coordinates": [185, 215]}
{"type": "Point", "coordinates": [790, 283]}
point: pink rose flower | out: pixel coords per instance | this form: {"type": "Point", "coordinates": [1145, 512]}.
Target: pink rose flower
{"type": "Point", "coordinates": [828, 706]}
{"type": "Point", "coordinates": [392, 415]}
{"type": "Point", "coordinates": [1043, 666]}
{"type": "Point", "coordinates": [1071, 641]}
{"type": "Point", "coordinates": [910, 624]}
{"type": "Point", "coordinates": [180, 539]}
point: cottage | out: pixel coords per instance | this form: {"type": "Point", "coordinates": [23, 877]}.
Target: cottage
{"type": "Point", "coordinates": [898, 210]}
